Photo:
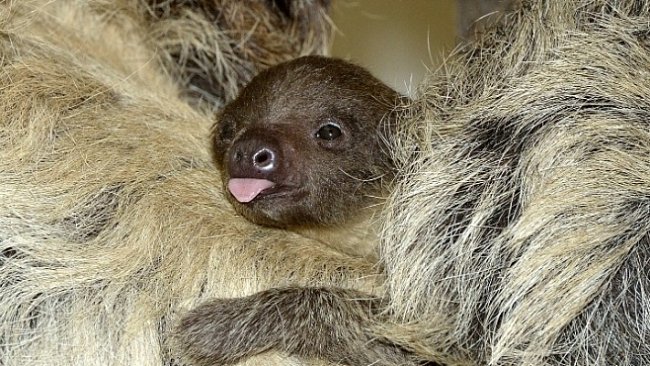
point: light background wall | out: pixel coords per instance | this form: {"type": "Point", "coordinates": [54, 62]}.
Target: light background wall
{"type": "Point", "coordinates": [395, 39]}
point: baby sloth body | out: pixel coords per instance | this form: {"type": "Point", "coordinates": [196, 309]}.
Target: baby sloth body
{"type": "Point", "coordinates": [301, 148]}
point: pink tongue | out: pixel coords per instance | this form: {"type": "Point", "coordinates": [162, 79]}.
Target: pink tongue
{"type": "Point", "coordinates": [246, 189]}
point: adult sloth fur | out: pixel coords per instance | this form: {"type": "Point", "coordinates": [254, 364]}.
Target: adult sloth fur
{"type": "Point", "coordinates": [534, 247]}
{"type": "Point", "coordinates": [111, 213]}
{"type": "Point", "coordinates": [518, 230]}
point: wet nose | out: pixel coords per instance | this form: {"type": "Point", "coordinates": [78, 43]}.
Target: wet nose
{"type": "Point", "coordinates": [264, 159]}
{"type": "Point", "coordinates": [253, 158]}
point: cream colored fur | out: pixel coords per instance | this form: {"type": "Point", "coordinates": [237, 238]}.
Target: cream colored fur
{"type": "Point", "coordinates": [112, 219]}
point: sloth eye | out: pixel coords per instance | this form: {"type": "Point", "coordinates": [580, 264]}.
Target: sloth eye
{"type": "Point", "coordinates": [328, 132]}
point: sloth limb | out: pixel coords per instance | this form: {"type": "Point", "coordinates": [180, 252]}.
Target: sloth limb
{"type": "Point", "coordinates": [225, 331]}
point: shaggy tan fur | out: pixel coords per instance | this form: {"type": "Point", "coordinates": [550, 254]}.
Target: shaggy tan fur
{"type": "Point", "coordinates": [214, 47]}
{"type": "Point", "coordinates": [525, 191]}
{"type": "Point", "coordinates": [518, 230]}
{"type": "Point", "coordinates": [112, 219]}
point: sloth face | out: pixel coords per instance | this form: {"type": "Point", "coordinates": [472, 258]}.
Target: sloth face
{"type": "Point", "coordinates": [300, 146]}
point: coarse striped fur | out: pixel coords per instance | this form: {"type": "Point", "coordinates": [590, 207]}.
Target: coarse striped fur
{"type": "Point", "coordinates": [112, 219]}
{"type": "Point", "coordinates": [518, 230]}
{"type": "Point", "coordinates": [534, 247]}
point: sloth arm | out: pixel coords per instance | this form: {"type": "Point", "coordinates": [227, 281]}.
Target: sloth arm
{"type": "Point", "coordinates": [312, 322]}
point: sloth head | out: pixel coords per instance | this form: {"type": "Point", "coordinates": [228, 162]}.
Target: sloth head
{"type": "Point", "coordinates": [301, 145]}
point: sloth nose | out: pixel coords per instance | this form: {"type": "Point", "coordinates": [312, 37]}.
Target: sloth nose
{"type": "Point", "coordinates": [264, 159]}
{"type": "Point", "coordinates": [253, 158]}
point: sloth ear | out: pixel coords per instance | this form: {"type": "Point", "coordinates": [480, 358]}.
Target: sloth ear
{"type": "Point", "coordinates": [222, 133]}
{"type": "Point", "coordinates": [289, 8]}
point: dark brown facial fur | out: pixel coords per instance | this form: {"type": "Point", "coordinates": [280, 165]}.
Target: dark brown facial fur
{"type": "Point", "coordinates": [301, 145]}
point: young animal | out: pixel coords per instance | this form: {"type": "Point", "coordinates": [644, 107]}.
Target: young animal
{"type": "Point", "coordinates": [301, 147]}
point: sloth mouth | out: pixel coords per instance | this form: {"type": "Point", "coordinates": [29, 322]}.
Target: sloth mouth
{"type": "Point", "coordinates": [250, 190]}
{"type": "Point", "coordinates": [280, 191]}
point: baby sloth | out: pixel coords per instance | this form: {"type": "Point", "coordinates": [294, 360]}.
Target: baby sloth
{"type": "Point", "coordinates": [301, 145]}
{"type": "Point", "coordinates": [301, 148]}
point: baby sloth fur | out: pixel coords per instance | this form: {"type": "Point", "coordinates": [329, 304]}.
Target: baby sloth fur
{"type": "Point", "coordinates": [301, 146]}
{"type": "Point", "coordinates": [302, 143]}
